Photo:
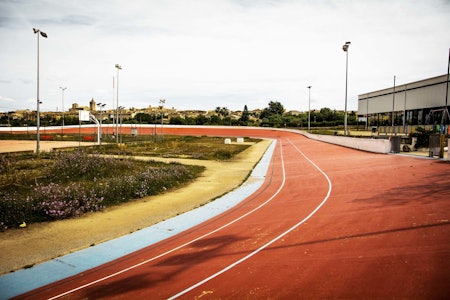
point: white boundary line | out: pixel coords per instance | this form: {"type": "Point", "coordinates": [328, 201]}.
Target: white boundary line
{"type": "Point", "coordinates": [183, 245]}
{"type": "Point", "coordinates": [273, 240]}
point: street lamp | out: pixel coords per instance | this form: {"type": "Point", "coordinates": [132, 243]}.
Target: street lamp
{"type": "Point", "coordinates": [62, 92]}
{"type": "Point", "coordinates": [38, 137]}
{"type": "Point", "coordinates": [101, 106]}
{"type": "Point", "coordinates": [118, 67]}
{"type": "Point", "coordinates": [345, 48]}
{"type": "Point", "coordinates": [309, 110]}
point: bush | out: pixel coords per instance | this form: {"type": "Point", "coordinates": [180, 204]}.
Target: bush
{"type": "Point", "coordinates": [68, 185]}
{"type": "Point", "coordinates": [148, 182]}
{"type": "Point", "coordinates": [13, 211]}
{"type": "Point", "coordinates": [423, 136]}
{"type": "Point", "coordinates": [223, 154]}
{"type": "Point", "coordinates": [80, 165]}
{"type": "Point", "coordinates": [54, 201]}
{"type": "Point", "coordinates": [5, 164]}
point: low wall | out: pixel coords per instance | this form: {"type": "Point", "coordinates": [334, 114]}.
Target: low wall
{"type": "Point", "coordinates": [365, 144]}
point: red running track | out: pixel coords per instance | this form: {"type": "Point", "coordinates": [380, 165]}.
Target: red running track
{"type": "Point", "coordinates": [328, 222]}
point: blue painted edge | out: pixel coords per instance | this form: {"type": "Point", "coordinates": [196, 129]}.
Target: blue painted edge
{"type": "Point", "coordinates": [25, 280]}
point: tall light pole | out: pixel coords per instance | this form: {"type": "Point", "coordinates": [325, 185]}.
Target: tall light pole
{"type": "Point", "coordinates": [38, 117]}
{"type": "Point", "coordinates": [118, 67]}
{"type": "Point", "coordinates": [309, 110]}
{"type": "Point", "coordinates": [345, 48]}
{"type": "Point", "coordinates": [62, 92]}
{"type": "Point", "coordinates": [113, 105]}
{"type": "Point", "coordinates": [393, 108]}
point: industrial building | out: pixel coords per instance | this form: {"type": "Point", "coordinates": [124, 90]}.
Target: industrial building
{"type": "Point", "coordinates": [403, 108]}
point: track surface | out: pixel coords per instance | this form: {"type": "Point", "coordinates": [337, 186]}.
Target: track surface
{"type": "Point", "coordinates": [329, 222]}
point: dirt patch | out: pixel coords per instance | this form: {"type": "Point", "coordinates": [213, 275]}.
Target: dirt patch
{"type": "Point", "coordinates": [45, 146]}
{"type": "Point", "coordinates": [37, 243]}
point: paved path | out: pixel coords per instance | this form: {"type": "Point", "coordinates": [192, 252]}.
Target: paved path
{"type": "Point", "coordinates": [25, 145]}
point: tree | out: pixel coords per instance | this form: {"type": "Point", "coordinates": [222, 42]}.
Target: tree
{"type": "Point", "coordinates": [245, 117]}
{"type": "Point", "coordinates": [222, 111]}
{"type": "Point", "coordinates": [326, 114]}
{"type": "Point", "coordinates": [176, 121]}
{"type": "Point", "coordinates": [215, 120]}
{"type": "Point", "coordinates": [275, 108]}
{"type": "Point", "coordinates": [144, 118]}
{"type": "Point", "coordinates": [201, 120]}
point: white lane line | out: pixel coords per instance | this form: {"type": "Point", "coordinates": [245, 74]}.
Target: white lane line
{"type": "Point", "coordinates": [185, 244]}
{"type": "Point", "coordinates": [273, 240]}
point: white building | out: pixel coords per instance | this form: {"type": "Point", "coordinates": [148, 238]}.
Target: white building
{"type": "Point", "coordinates": [402, 108]}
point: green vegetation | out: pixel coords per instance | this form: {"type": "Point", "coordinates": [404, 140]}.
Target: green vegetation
{"type": "Point", "coordinates": [423, 136]}
{"type": "Point", "coordinates": [208, 148]}
{"type": "Point", "coordinates": [274, 115]}
{"type": "Point", "coordinates": [66, 184]}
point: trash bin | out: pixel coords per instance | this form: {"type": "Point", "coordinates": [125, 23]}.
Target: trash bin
{"type": "Point", "coordinates": [434, 145]}
{"type": "Point", "coordinates": [395, 144]}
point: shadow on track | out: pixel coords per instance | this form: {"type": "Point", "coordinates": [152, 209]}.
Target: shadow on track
{"type": "Point", "coordinates": [158, 274]}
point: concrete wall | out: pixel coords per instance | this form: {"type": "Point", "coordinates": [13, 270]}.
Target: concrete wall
{"type": "Point", "coordinates": [365, 144]}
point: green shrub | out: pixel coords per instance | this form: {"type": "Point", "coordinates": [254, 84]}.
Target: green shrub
{"type": "Point", "coordinates": [423, 136]}
{"type": "Point", "coordinates": [223, 154]}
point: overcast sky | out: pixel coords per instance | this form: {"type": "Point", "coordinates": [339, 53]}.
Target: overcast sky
{"type": "Point", "coordinates": [200, 54]}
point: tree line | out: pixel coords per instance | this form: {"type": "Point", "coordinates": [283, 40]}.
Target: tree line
{"type": "Point", "coordinates": [274, 115]}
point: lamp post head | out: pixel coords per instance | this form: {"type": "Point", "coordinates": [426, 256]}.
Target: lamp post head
{"type": "Point", "coordinates": [309, 87]}
{"type": "Point", "coordinates": [118, 67]}
{"type": "Point", "coordinates": [40, 32]}
{"type": "Point", "coordinates": [346, 45]}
